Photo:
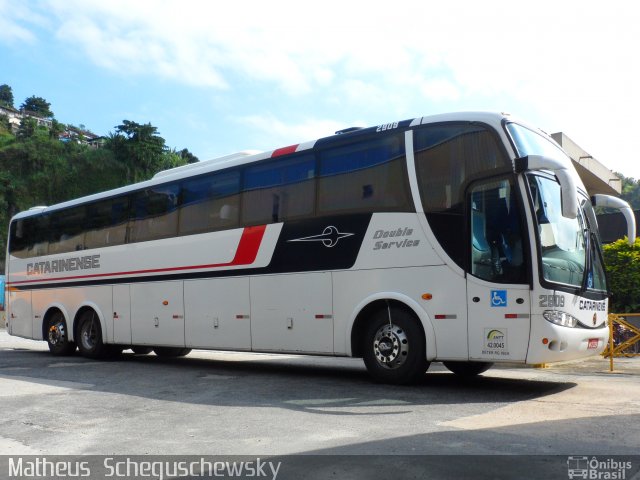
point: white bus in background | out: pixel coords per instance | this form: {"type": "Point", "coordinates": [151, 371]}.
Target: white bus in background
{"type": "Point", "coordinates": [466, 239]}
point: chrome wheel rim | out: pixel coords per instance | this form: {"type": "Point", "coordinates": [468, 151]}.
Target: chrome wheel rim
{"type": "Point", "coordinates": [391, 346]}
{"type": "Point", "coordinates": [88, 335]}
{"type": "Point", "coordinates": [56, 334]}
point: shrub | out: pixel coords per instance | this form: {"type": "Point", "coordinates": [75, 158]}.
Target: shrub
{"type": "Point", "coordinates": [622, 263]}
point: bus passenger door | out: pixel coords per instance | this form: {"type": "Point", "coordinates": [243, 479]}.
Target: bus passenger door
{"type": "Point", "coordinates": [157, 314]}
{"type": "Point", "coordinates": [121, 315]}
{"type": "Point", "coordinates": [292, 313]}
{"type": "Point", "coordinates": [498, 295]}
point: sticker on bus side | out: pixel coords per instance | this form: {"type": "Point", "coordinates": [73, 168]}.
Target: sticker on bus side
{"type": "Point", "coordinates": [498, 298]}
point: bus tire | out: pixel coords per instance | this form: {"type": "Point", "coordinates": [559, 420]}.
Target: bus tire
{"type": "Point", "coordinates": [468, 369]}
{"type": "Point", "coordinates": [171, 352]}
{"type": "Point", "coordinates": [140, 350]}
{"type": "Point", "coordinates": [394, 348]}
{"type": "Point", "coordinates": [90, 342]}
{"type": "Point", "coordinates": [57, 336]}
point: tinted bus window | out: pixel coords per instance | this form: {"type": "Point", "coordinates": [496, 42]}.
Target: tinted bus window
{"type": "Point", "coordinates": [67, 230]}
{"type": "Point", "coordinates": [30, 237]}
{"type": "Point", "coordinates": [364, 177]}
{"type": "Point", "coordinates": [107, 222]}
{"type": "Point", "coordinates": [447, 158]}
{"type": "Point", "coordinates": [19, 238]}
{"type": "Point", "coordinates": [154, 213]}
{"type": "Point", "coordinates": [279, 190]}
{"type": "Point", "coordinates": [209, 203]}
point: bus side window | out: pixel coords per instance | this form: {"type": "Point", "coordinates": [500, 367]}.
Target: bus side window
{"type": "Point", "coordinates": [448, 157]}
{"type": "Point", "coordinates": [279, 190]}
{"type": "Point", "coordinates": [39, 236]}
{"type": "Point", "coordinates": [364, 177]}
{"type": "Point", "coordinates": [496, 237]}
{"type": "Point", "coordinates": [107, 222]}
{"type": "Point", "coordinates": [67, 231]}
{"type": "Point", "coordinates": [154, 213]}
{"type": "Point", "coordinates": [209, 203]}
{"type": "Point", "coordinates": [18, 238]}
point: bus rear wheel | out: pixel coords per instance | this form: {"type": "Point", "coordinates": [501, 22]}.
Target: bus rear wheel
{"type": "Point", "coordinates": [57, 336]}
{"type": "Point", "coordinates": [394, 347]}
{"type": "Point", "coordinates": [468, 369]}
{"type": "Point", "coordinates": [90, 342]}
{"type": "Point", "coordinates": [171, 352]}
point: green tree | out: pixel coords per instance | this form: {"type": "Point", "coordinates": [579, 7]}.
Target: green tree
{"type": "Point", "coordinates": [623, 270]}
{"type": "Point", "coordinates": [37, 169]}
{"type": "Point", "coordinates": [5, 126]}
{"type": "Point", "coordinates": [56, 129]}
{"type": "Point", "coordinates": [187, 156]}
{"type": "Point", "coordinates": [28, 127]}
{"type": "Point", "coordinates": [6, 96]}
{"type": "Point", "coordinates": [37, 105]}
{"type": "Point", "coordinates": [139, 147]}
{"type": "Point", "coordinates": [630, 191]}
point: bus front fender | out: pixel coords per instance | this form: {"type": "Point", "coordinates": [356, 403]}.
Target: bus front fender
{"type": "Point", "coordinates": [408, 302]}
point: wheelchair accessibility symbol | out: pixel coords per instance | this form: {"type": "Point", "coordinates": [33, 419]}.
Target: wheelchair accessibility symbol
{"type": "Point", "coordinates": [498, 298]}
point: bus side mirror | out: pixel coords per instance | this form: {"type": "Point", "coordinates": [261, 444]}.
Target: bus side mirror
{"type": "Point", "coordinates": [563, 171]}
{"type": "Point", "coordinates": [599, 200]}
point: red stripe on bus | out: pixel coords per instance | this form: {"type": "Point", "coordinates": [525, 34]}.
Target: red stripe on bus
{"type": "Point", "coordinates": [284, 150]}
{"type": "Point", "coordinates": [245, 255]}
{"type": "Point", "coordinates": [249, 245]}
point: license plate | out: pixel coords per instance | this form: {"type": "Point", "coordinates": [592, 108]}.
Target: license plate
{"type": "Point", "coordinates": [593, 343]}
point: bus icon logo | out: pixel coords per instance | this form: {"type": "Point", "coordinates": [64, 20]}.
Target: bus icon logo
{"type": "Point", "coordinates": [498, 298]}
{"type": "Point", "coordinates": [578, 467]}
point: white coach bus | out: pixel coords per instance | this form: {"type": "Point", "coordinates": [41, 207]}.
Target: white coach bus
{"type": "Point", "coordinates": [461, 238]}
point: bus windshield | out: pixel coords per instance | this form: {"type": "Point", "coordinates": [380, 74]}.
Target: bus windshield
{"type": "Point", "coordinates": [570, 248]}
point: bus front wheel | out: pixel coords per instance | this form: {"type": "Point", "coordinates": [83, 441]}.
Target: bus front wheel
{"type": "Point", "coordinates": [57, 336]}
{"type": "Point", "coordinates": [394, 347]}
{"type": "Point", "coordinates": [468, 369]}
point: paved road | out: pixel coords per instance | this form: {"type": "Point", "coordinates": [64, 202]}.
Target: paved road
{"type": "Point", "coordinates": [253, 404]}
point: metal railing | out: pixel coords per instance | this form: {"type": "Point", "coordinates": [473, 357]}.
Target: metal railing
{"type": "Point", "coordinates": [624, 337]}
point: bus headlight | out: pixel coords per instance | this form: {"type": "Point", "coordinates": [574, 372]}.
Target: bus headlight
{"type": "Point", "coordinates": [560, 318]}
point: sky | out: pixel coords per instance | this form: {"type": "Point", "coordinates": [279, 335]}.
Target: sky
{"type": "Point", "coordinates": [221, 77]}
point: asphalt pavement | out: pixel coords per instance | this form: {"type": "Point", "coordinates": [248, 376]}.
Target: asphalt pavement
{"type": "Point", "coordinates": [229, 403]}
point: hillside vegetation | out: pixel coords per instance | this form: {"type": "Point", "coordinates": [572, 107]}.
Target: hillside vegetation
{"type": "Point", "coordinates": [40, 166]}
